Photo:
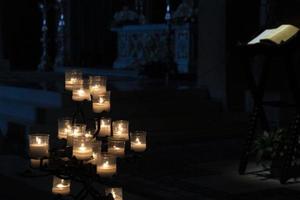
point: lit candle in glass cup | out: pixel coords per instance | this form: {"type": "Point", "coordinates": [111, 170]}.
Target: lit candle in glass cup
{"type": "Point", "coordinates": [61, 186]}
{"type": "Point", "coordinates": [77, 131]}
{"type": "Point", "coordinates": [81, 92]}
{"type": "Point", "coordinates": [96, 145]}
{"type": "Point", "coordinates": [38, 145]}
{"type": "Point", "coordinates": [106, 165]}
{"type": "Point", "coordinates": [138, 141]}
{"type": "Point", "coordinates": [121, 129]}
{"type": "Point", "coordinates": [97, 85]}
{"type": "Point", "coordinates": [82, 148]}
{"type": "Point", "coordinates": [101, 103]}
{"type": "Point", "coordinates": [116, 147]}
{"type": "Point", "coordinates": [105, 127]}
{"type": "Point", "coordinates": [64, 127]}
{"type": "Point", "coordinates": [73, 77]}
{"type": "Point", "coordinates": [117, 193]}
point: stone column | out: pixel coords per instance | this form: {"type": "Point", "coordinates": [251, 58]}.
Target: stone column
{"type": "Point", "coordinates": [212, 48]}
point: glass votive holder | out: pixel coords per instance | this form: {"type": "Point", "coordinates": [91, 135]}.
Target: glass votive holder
{"type": "Point", "coordinates": [77, 131]}
{"type": "Point", "coordinates": [97, 85]}
{"type": "Point", "coordinates": [138, 141]}
{"type": "Point", "coordinates": [81, 92]}
{"type": "Point", "coordinates": [64, 127]}
{"type": "Point", "coordinates": [121, 129]}
{"type": "Point", "coordinates": [106, 165]}
{"type": "Point", "coordinates": [101, 103]}
{"type": "Point", "coordinates": [96, 145]}
{"type": "Point", "coordinates": [38, 145]}
{"type": "Point", "coordinates": [117, 193]}
{"type": "Point", "coordinates": [61, 186]}
{"type": "Point", "coordinates": [82, 148]}
{"type": "Point", "coordinates": [116, 147]}
{"type": "Point", "coordinates": [105, 127]}
{"type": "Point", "coordinates": [73, 77]}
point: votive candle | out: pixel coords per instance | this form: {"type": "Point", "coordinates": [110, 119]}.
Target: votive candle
{"type": "Point", "coordinates": [138, 141]}
{"type": "Point", "coordinates": [106, 165]}
{"type": "Point", "coordinates": [38, 145]}
{"type": "Point", "coordinates": [61, 186]}
{"type": "Point", "coordinates": [121, 129]}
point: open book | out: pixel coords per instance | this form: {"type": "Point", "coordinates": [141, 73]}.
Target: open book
{"type": "Point", "coordinates": [277, 35]}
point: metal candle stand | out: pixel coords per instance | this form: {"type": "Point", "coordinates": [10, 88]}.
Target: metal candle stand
{"type": "Point", "coordinates": [78, 113]}
{"type": "Point", "coordinates": [65, 166]}
{"type": "Point", "coordinates": [61, 163]}
{"type": "Point", "coordinates": [72, 169]}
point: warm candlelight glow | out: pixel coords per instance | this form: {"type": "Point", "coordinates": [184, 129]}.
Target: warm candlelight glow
{"type": "Point", "coordinates": [121, 130]}
{"type": "Point", "coordinates": [38, 140]}
{"type": "Point", "coordinates": [101, 103]}
{"type": "Point", "coordinates": [96, 145]}
{"type": "Point", "coordinates": [64, 127]}
{"type": "Point", "coordinates": [116, 147]}
{"type": "Point", "coordinates": [105, 127]}
{"type": "Point", "coordinates": [81, 94]}
{"type": "Point", "coordinates": [38, 145]}
{"type": "Point", "coordinates": [138, 141]}
{"type": "Point", "coordinates": [106, 165]}
{"type": "Point", "coordinates": [116, 193]}
{"type": "Point", "coordinates": [61, 186]}
{"type": "Point", "coordinates": [82, 148]}
{"type": "Point", "coordinates": [73, 78]}
{"type": "Point", "coordinates": [76, 131]}
{"type": "Point", "coordinates": [97, 85]}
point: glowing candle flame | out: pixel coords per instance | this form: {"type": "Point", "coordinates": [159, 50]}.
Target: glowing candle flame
{"type": "Point", "coordinates": [116, 148]}
{"type": "Point", "coordinates": [82, 147]}
{"type": "Point", "coordinates": [62, 184]}
{"type": "Point", "coordinates": [94, 155]}
{"type": "Point", "coordinates": [137, 141]}
{"type": "Point", "coordinates": [73, 80]}
{"type": "Point", "coordinates": [76, 132]}
{"type": "Point", "coordinates": [113, 194]}
{"type": "Point", "coordinates": [105, 164]}
{"type": "Point", "coordinates": [101, 100]}
{"type": "Point", "coordinates": [95, 87]}
{"type": "Point", "coordinates": [81, 92]}
{"type": "Point", "coordinates": [38, 140]}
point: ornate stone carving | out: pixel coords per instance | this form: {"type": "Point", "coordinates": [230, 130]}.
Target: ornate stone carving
{"type": "Point", "coordinates": [147, 43]}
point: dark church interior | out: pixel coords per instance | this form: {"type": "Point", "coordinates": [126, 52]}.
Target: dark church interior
{"type": "Point", "coordinates": [149, 99]}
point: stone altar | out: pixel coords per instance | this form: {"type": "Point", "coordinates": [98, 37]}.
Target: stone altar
{"type": "Point", "coordinates": [135, 42]}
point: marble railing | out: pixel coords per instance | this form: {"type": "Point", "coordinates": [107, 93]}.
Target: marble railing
{"type": "Point", "coordinates": [137, 43]}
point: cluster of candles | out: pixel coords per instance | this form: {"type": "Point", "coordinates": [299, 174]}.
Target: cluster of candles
{"type": "Point", "coordinates": [63, 187]}
{"type": "Point", "coordinates": [92, 89]}
{"type": "Point", "coordinates": [85, 146]}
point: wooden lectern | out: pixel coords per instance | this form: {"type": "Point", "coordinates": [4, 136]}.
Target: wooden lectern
{"type": "Point", "coordinates": [257, 88]}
